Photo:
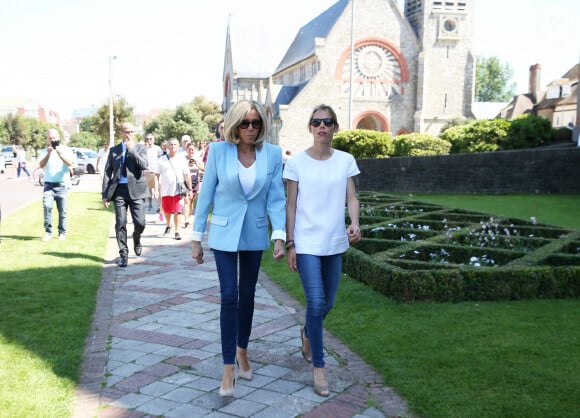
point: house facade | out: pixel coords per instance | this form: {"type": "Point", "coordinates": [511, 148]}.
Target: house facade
{"type": "Point", "coordinates": [379, 68]}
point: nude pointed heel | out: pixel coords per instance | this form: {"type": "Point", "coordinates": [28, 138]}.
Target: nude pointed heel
{"type": "Point", "coordinates": [306, 350]}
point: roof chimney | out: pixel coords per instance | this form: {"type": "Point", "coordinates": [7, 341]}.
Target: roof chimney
{"type": "Point", "coordinates": [534, 82]}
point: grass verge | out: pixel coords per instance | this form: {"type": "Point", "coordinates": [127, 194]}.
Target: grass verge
{"type": "Point", "coordinates": [47, 298]}
{"type": "Point", "coordinates": [480, 359]}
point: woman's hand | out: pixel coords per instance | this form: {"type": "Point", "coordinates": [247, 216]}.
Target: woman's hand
{"type": "Point", "coordinates": [278, 250]}
{"type": "Point", "coordinates": [197, 252]}
{"type": "Point", "coordinates": [354, 234]}
{"type": "Point", "coordinates": [291, 259]}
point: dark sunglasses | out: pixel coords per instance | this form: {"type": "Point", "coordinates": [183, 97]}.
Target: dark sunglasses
{"type": "Point", "coordinates": [327, 122]}
{"type": "Point", "coordinates": [256, 124]}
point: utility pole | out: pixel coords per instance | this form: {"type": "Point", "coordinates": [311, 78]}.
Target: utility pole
{"type": "Point", "coordinates": [111, 116]}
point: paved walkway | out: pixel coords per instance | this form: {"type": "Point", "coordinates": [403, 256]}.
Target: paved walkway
{"type": "Point", "coordinates": [154, 347]}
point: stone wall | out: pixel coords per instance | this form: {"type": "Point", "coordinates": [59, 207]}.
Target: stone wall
{"type": "Point", "coordinates": [543, 170]}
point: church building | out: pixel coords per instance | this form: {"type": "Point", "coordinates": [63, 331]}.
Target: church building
{"type": "Point", "coordinates": [378, 68]}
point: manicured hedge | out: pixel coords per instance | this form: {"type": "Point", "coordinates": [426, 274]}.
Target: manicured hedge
{"type": "Point", "coordinates": [445, 255]}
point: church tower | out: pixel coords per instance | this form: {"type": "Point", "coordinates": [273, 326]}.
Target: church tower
{"type": "Point", "coordinates": [445, 65]}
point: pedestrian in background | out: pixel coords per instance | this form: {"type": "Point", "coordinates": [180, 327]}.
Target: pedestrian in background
{"type": "Point", "coordinates": [242, 185]}
{"type": "Point", "coordinates": [172, 171]}
{"type": "Point", "coordinates": [195, 167]}
{"type": "Point", "coordinates": [154, 151]}
{"type": "Point", "coordinates": [102, 156]}
{"type": "Point", "coordinates": [21, 159]}
{"type": "Point", "coordinates": [57, 164]}
{"type": "Point", "coordinates": [125, 185]}
{"type": "Point", "coordinates": [320, 182]}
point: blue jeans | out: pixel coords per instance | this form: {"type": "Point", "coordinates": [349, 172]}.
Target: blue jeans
{"type": "Point", "coordinates": [320, 277]}
{"type": "Point", "coordinates": [22, 167]}
{"type": "Point", "coordinates": [237, 299]}
{"type": "Point", "coordinates": [55, 192]}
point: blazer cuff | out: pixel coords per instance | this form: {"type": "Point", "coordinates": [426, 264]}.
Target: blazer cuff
{"type": "Point", "coordinates": [278, 234]}
{"type": "Point", "coordinates": [197, 236]}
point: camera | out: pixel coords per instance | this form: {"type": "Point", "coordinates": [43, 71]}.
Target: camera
{"type": "Point", "coordinates": [54, 144]}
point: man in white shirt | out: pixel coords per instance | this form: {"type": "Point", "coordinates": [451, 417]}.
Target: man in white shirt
{"type": "Point", "coordinates": [153, 153]}
{"type": "Point", "coordinates": [172, 170]}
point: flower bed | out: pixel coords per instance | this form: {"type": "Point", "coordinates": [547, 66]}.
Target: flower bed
{"type": "Point", "coordinates": [413, 251]}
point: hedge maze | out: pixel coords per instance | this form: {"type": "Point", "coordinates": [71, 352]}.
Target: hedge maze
{"type": "Point", "coordinates": [414, 251]}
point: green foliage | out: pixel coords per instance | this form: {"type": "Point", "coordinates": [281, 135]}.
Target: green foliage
{"type": "Point", "coordinates": [528, 131]}
{"type": "Point", "coordinates": [456, 122]}
{"type": "Point", "coordinates": [491, 80]}
{"type": "Point", "coordinates": [210, 111]}
{"type": "Point", "coordinates": [85, 139]}
{"type": "Point", "coordinates": [415, 144]}
{"type": "Point", "coordinates": [184, 120]}
{"type": "Point", "coordinates": [478, 136]}
{"type": "Point", "coordinates": [28, 132]}
{"type": "Point", "coordinates": [561, 134]}
{"type": "Point", "coordinates": [122, 112]}
{"type": "Point", "coordinates": [362, 143]}
{"type": "Point", "coordinates": [16, 129]}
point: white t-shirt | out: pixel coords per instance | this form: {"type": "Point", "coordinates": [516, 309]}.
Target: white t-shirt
{"type": "Point", "coordinates": [320, 227]}
{"type": "Point", "coordinates": [102, 156]}
{"type": "Point", "coordinates": [153, 154]}
{"type": "Point", "coordinates": [169, 176]}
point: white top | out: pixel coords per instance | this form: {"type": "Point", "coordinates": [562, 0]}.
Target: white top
{"type": "Point", "coordinates": [167, 174]}
{"type": "Point", "coordinates": [102, 155]}
{"type": "Point", "coordinates": [21, 155]}
{"type": "Point", "coordinates": [247, 177]}
{"type": "Point", "coordinates": [153, 154]}
{"type": "Point", "coordinates": [320, 227]}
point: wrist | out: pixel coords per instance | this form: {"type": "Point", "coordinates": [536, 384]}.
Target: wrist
{"type": "Point", "coordinates": [290, 244]}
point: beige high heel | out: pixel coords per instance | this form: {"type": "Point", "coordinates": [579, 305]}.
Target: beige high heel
{"type": "Point", "coordinates": [321, 390]}
{"type": "Point", "coordinates": [229, 392]}
{"type": "Point", "coordinates": [244, 374]}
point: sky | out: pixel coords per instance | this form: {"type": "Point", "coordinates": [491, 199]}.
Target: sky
{"type": "Point", "coordinates": [59, 52]}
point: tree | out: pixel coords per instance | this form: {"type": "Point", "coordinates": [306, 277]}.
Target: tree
{"type": "Point", "coordinates": [184, 120]}
{"type": "Point", "coordinates": [210, 111]}
{"type": "Point", "coordinates": [16, 129]}
{"type": "Point", "coordinates": [122, 112]}
{"type": "Point", "coordinates": [491, 81]}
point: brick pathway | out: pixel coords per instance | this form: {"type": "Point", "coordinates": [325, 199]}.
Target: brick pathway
{"type": "Point", "coordinates": [154, 347]}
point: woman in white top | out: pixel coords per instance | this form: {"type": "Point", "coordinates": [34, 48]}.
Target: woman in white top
{"type": "Point", "coordinates": [21, 159]}
{"type": "Point", "coordinates": [320, 180]}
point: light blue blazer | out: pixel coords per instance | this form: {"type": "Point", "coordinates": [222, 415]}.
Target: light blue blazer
{"type": "Point", "coordinates": [240, 222]}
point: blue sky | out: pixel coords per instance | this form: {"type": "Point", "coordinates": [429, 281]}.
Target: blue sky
{"type": "Point", "coordinates": [57, 51]}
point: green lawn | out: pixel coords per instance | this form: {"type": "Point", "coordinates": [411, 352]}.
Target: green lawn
{"type": "Point", "coordinates": [472, 359]}
{"type": "Point", "coordinates": [47, 298]}
{"type": "Point", "coordinates": [493, 359]}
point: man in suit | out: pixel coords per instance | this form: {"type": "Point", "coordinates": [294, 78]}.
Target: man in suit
{"type": "Point", "coordinates": [125, 184]}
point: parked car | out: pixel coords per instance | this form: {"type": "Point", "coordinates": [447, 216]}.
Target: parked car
{"type": "Point", "coordinates": [2, 164]}
{"type": "Point", "coordinates": [86, 160]}
{"type": "Point", "coordinates": [8, 153]}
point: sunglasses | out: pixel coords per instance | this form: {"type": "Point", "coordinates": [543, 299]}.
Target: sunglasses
{"type": "Point", "coordinates": [327, 122]}
{"type": "Point", "coordinates": [256, 124]}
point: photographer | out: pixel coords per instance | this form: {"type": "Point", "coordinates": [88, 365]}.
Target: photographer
{"type": "Point", "coordinates": [56, 163]}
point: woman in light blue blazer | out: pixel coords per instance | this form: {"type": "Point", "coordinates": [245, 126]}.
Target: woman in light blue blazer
{"type": "Point", "coordinates": [243, 188]}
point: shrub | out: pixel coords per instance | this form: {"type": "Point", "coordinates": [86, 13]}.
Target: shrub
{"type": "Point", "coordinates": [527, 131]}
{"type": "Point", "coordinates": [478, 136]}
{"type": "Point", "coordinates": [416, 144]}
{"type": "Point", "coordinates": [362, 143]}
{"type": "Point", "coordinates": [561, 134]}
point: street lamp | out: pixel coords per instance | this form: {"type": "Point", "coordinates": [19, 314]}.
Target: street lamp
{"type": "Point", "coordinates": [111, 116]}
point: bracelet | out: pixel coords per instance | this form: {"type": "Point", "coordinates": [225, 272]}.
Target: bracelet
{"type": "Point", "coordinates": [289, 244]}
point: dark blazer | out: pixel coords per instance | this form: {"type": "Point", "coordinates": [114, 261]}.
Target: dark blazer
{"type": "Point", "coordinates": [136, 163]}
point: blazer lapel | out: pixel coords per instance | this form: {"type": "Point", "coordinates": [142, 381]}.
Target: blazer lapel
{"type": "Point", "coordinates": [261, 171]}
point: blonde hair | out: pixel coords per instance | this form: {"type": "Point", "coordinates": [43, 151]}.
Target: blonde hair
{"type": "Point", "coordinates": [238, 112]}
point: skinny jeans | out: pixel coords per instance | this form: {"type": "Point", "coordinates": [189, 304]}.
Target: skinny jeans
{"type": "Point", "coordinates": [237, 298]}
{"type": "Point", "coordinates": [320, 276]}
